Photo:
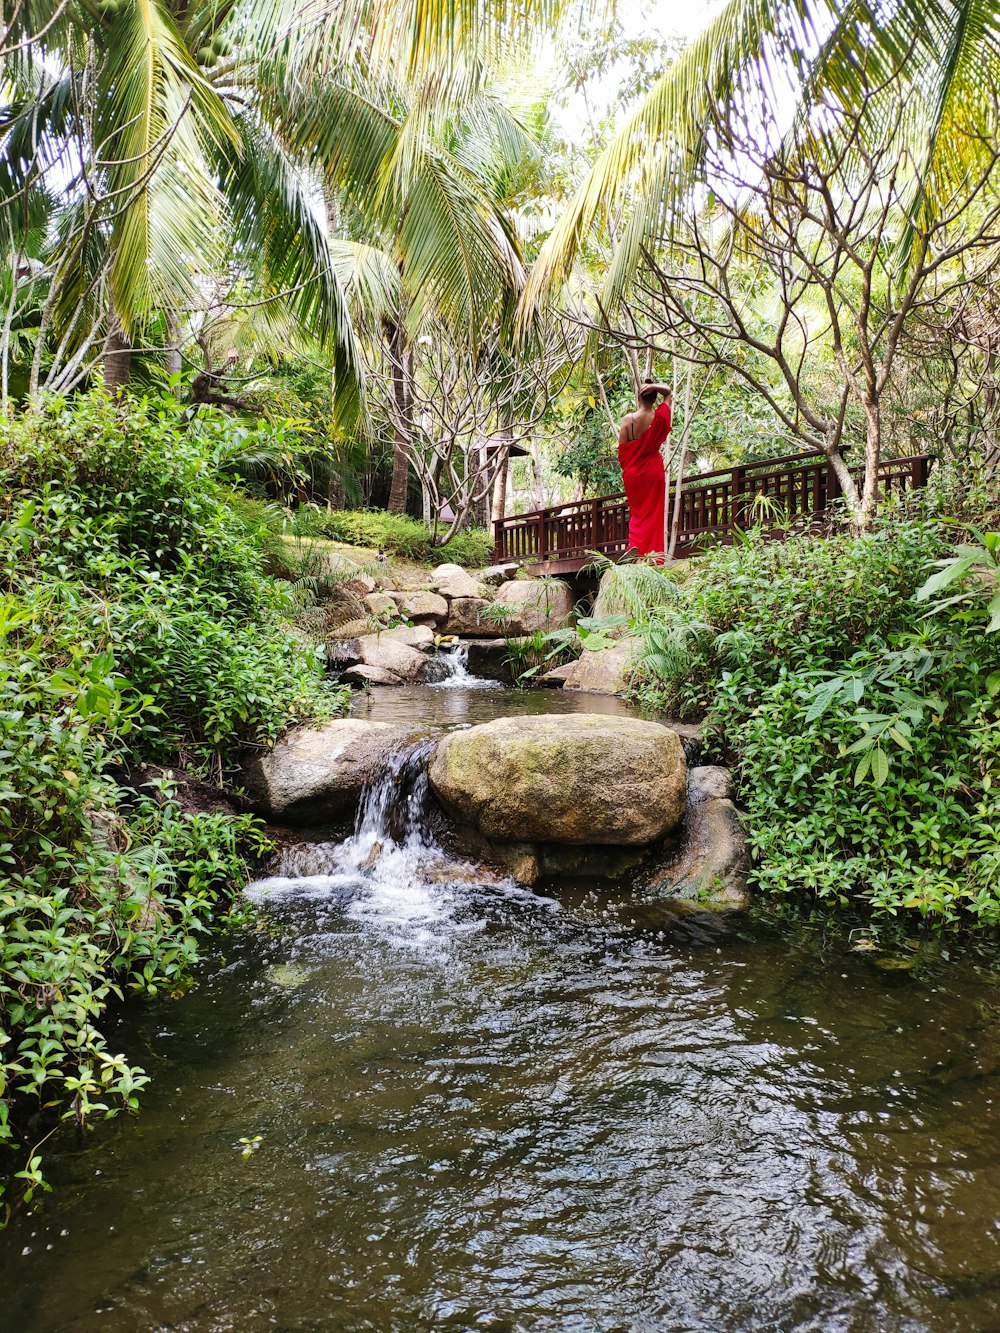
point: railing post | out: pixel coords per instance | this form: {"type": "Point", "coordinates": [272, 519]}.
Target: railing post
{"type": "Point", "coordinates": [594, 544]}
{"type": "Point", "coordinates": [833, 487]}
{"type": "Point", "coordinates": [541, 534]}
{"type": "Point", "coordinates": [739, 490]}
{"type": "Point", "coordinates": [918, 472]}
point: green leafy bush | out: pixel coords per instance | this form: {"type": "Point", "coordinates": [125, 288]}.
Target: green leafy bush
{"type": "Point", "coordinates": [866, 738]}
{"type": "Point", "coordinates": [135, 623]}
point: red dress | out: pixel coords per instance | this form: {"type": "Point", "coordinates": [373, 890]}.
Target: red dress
{"type": "Point", "coordinates": [642, 472]}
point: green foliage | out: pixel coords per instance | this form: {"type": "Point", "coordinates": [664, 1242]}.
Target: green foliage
{"type": "Point", "coordinates": [981, 561]}
{"type": "Point", "coordinates": [395, 534]}
{"type": "Point", "coordinates": [592, 455]}
{"type": "Point", "coordinates": [866, 737]}
{"type": "Point", "coordinates": [135, 623]}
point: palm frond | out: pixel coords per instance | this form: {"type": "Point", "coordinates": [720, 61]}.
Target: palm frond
{"type": "Point", "coordinates": [159, 119]}
{"type": "Point", "coordinates": [948, 51]}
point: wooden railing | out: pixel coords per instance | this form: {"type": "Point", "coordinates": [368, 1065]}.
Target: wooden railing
{"type": "Point", "coordinates": [714, 505]}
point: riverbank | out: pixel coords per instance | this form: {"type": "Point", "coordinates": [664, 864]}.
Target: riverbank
{"type": "Point", "coordinates": [138, 628]}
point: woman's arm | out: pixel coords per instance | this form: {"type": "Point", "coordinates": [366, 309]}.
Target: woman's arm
{"type": "Point", "coordinates": [665, 389]}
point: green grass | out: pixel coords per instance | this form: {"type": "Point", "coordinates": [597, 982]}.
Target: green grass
{"type": "Point", "coordinates": [395, 534]}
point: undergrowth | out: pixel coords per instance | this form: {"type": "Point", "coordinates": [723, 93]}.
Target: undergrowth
{"type": "Point", "coordinates": [864, 730]}
{"type": "Point", "coordinates": [395, 534]}
{"type": "Point", "coordinates": [136, 625]}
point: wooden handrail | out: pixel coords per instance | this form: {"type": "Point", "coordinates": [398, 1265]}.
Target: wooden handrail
{"type": "Point", "coordinates": [714, 505]}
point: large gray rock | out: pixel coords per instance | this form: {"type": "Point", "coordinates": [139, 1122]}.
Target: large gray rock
{"type": "Point", "coordinates": [414, 636]}
{"type": "Point", "coordinates": [426, 606]}
{"type": "Point", "coordinates": [582, 779]}
{"type": "Point", "coordinates": [316, 774]}
{"type": "Point", "coordinates": [535, 604]}
{"type": "Point", "coordinates": [384, 651]}
{"type": "Point", "coordinates": [712, 864]}
{"type": "Point", "coordinates": [381, 605]}
{"type": "Point", "coordinates": [463, 616]}
{"type": "Point", "coordinates": [402, 659]}
{"type": "Point", "coordinates": [488, 658]}
{"type": "Point", "coordinates": [497, 574]}
{"type": "Point", "coordinates": [596, 671]}
{"type": "Point", "coordinates": [453, 581]}
{"type": "Point", "coordinates": [359, 676]}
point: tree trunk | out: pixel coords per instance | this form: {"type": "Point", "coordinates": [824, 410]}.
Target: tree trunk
{"type": "Point", "coordinates": [175, 362]}
{"type": "Point", "coordinates": [498, 510]}
{"type": "Point", "coordinates": [848, 486]}
{"type": "Point", "coordinates": [873, 455]}
{"type": "Point", "coordinates": [402, 363]}
{"type": "Point", "coordinates": [117, 357]}
{"type": "Point", "coordinates": [536, 472]}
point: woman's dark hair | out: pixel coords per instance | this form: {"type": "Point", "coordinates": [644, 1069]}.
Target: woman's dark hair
{"type": "Point", "coordinates": [647, 399]}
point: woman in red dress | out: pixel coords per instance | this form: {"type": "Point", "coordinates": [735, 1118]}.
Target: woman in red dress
{"type": "Point", "coordinates": [639, 441]}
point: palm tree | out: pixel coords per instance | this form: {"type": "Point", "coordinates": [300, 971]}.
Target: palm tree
{"type": "Point", "coordinates": [164, 137]}
{"type": "Point", "coordinates": [948, 50]}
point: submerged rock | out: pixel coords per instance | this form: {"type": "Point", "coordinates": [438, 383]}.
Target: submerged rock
{"type": "Point", "coordinates": [712, 863]}
{"type": "Point", "coordinates": [316, 774]}
{"type": "Point", "coordinates": [583, 779]}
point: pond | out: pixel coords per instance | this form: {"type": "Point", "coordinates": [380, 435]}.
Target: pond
{"type": "Point", "coordinates": [484, 1108]}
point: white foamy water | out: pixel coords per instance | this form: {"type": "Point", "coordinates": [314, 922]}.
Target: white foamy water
{"type": "Point", "coordinates": [391, 876]}
{"type": "Point", "coordinates": [456, 660]}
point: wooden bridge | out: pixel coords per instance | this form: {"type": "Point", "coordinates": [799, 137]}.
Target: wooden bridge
{"type": "Point", "coordinates": [714, 506]}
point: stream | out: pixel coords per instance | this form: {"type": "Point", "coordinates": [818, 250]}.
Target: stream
{"type": "Point", "coordinates": [484, 1108]}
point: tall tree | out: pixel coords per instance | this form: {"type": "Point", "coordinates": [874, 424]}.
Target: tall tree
{"type": "Point", "coordinates": [180, 134]}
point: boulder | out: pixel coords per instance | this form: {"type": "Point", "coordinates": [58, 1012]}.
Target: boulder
{"type": "Point", "coordinates": [497, 574]}
{"type": "Point", "coordinates": [415, 636]}
{"type": "Point", "coordinates": [583, 779]}
{"type": "Point", "coordinates": [596, 671]}
{"type": "Point", "coordinates": [711, 866]}
{"type": "Point", "coordinates": [343, 653]}
{"type": "Point", "coordinates": [421, 606]}
{"type": "Point", "coordinates": [352, 629]}
{"type": "Point", "coordinates": [358, 675]}
{"type": "Point", "coordinates": [381, 605]}
{"type": "Point", "coordinates": [463, 616]}
{"type": "Point", "coordinates": [380, 650]}
{"type": "Point", "coordinates": [488, 659]}
{"type": "Point", "coordinates": [315, 775]}
{"type": "Point", "coordinates": [535, 604]}
{"type": "Point", "coordinates": [453, 581]}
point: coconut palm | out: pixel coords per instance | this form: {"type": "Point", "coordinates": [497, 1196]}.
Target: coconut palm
{"type": "Point", "coordinates": [947, 50]}
{"type": "Point", "coordinates": [166, 138]}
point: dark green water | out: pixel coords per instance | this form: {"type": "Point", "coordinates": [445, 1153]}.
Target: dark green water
{"type": "Point", "coordinates": [481, 1109]}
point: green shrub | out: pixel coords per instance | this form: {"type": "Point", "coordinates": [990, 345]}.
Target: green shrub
{"type": "Point", "coordinates": [866, 738]}
{"type": "Point", "coordinates": [395, 534]}
{"type": "Point", "coordinates": [135, 623]}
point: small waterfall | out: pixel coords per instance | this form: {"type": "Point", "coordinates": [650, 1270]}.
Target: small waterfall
{"type": "Point", "coordinates": [396, 805]}
{"type": "Point", "coordinates": [454, 661]}
{"type": "Point", "coordinates": [390, 876]}
{"type": "Point", "coordinates": [394, 819]}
